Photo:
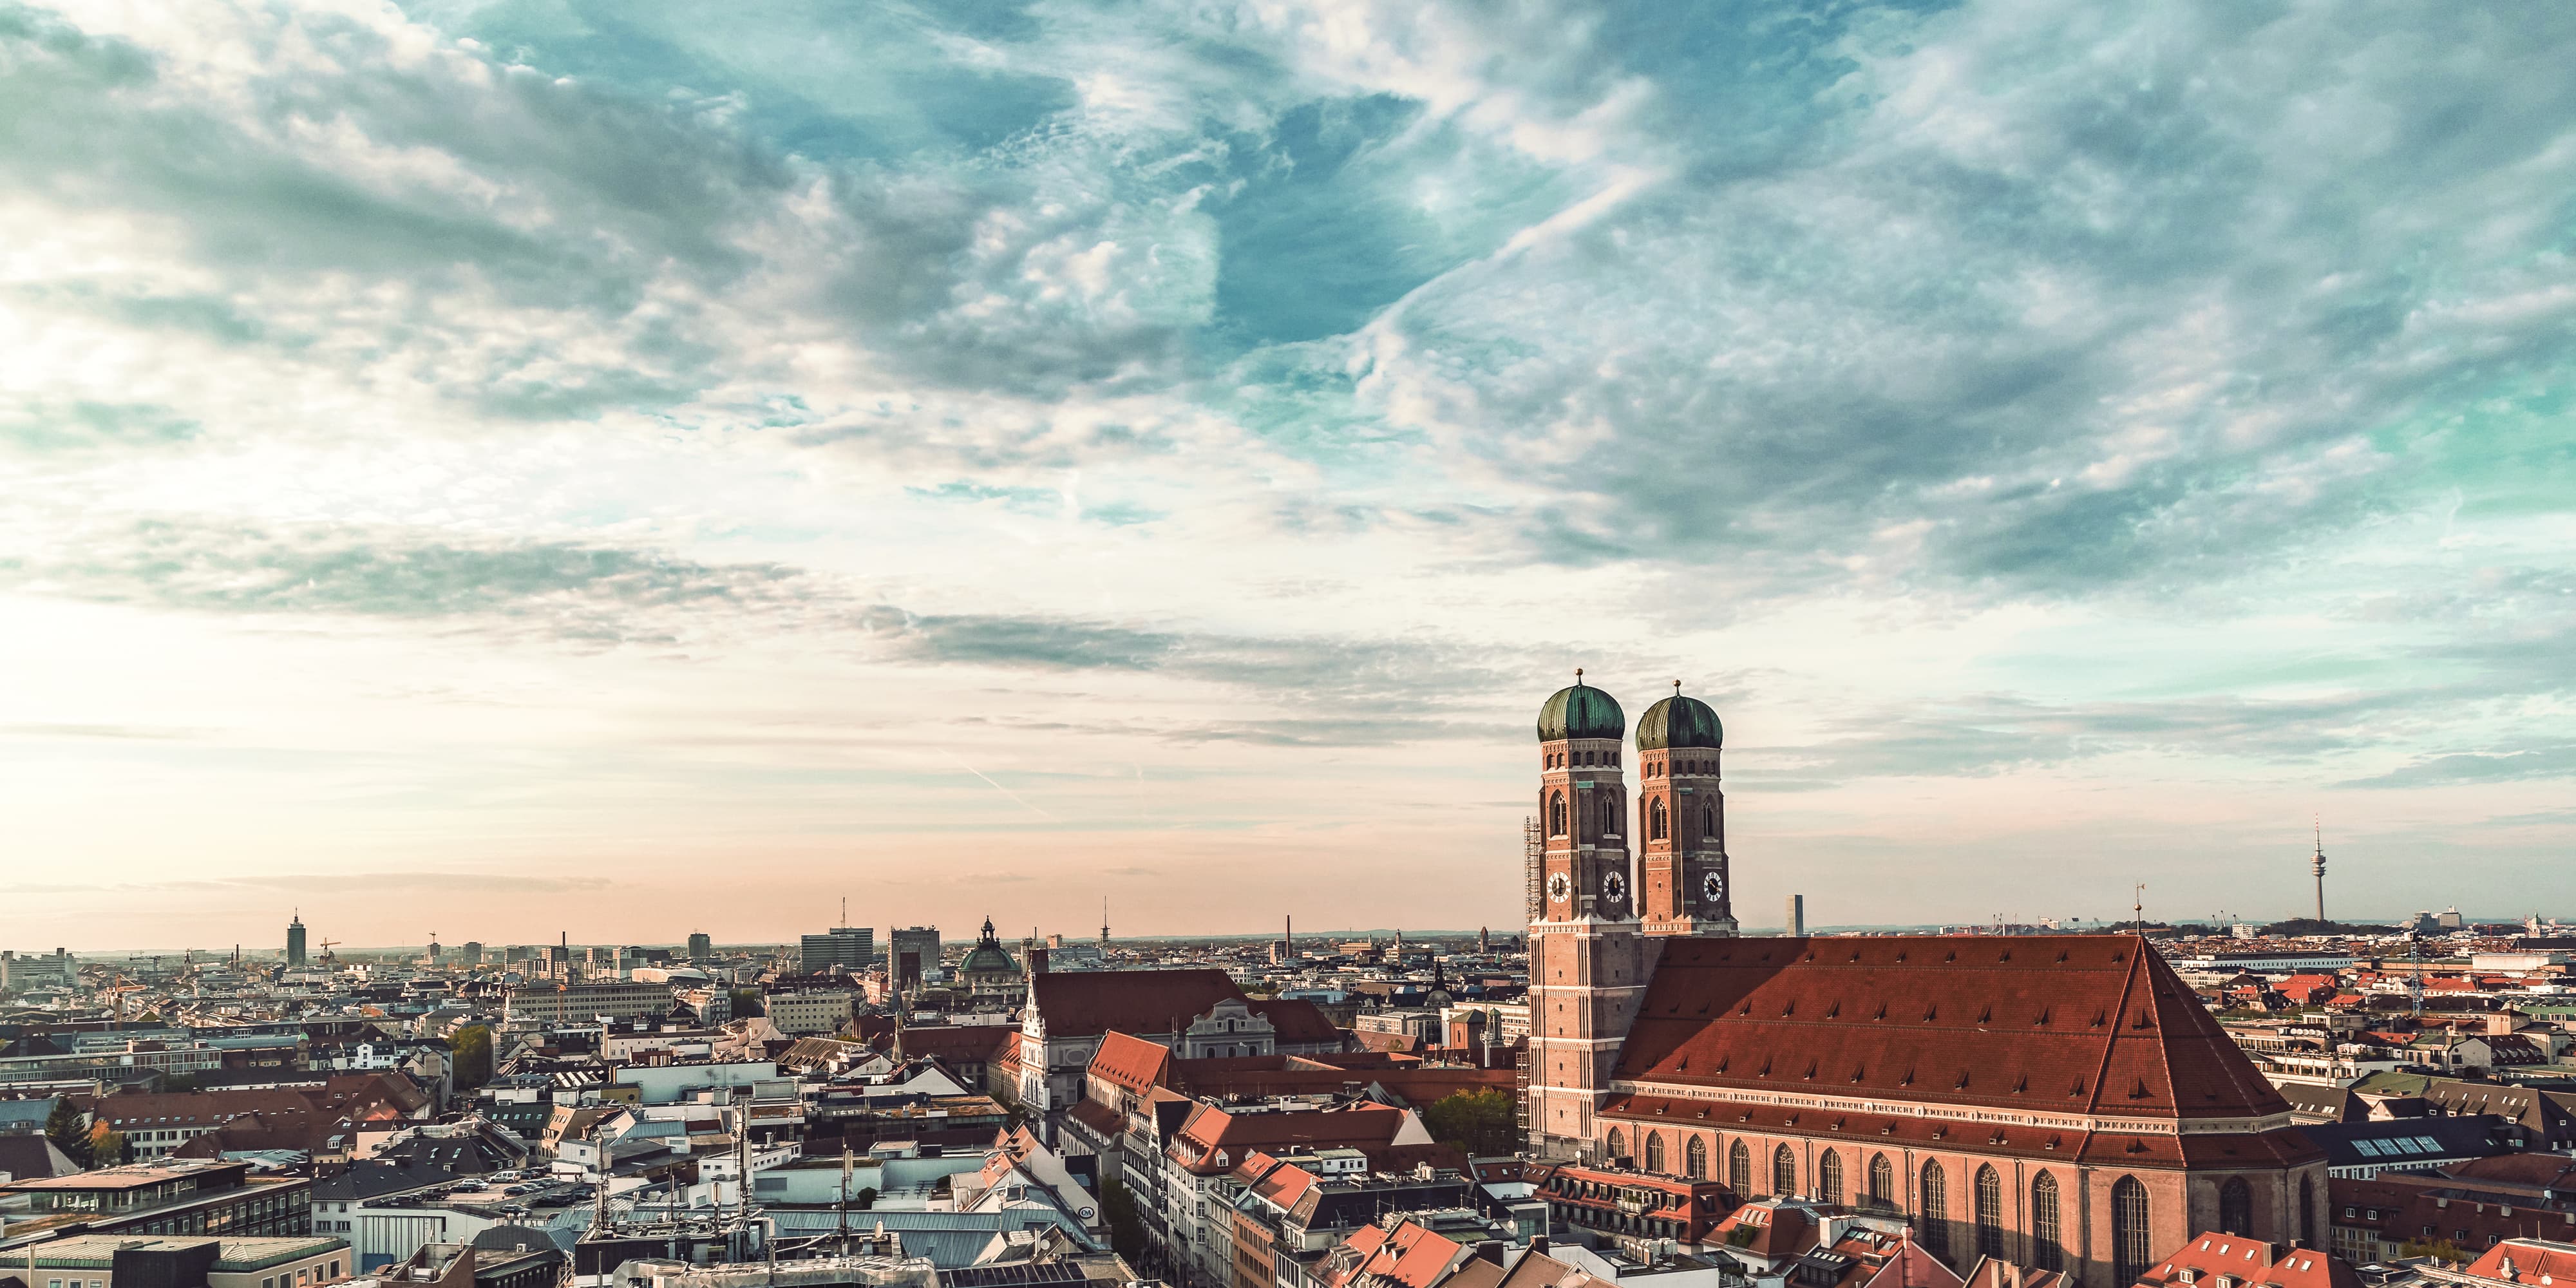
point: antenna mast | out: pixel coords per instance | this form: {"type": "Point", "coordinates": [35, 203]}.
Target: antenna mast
{"type": "Point", "coordinates": [2318, 866]}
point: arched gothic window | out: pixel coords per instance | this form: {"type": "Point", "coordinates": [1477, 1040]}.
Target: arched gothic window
{"type": "Point", "coordinates": [1695, 1159]}
{"type": "Point", "coordinates": [2308, 1211]}
{"type": "Point", "coordinates": [1655, 1151]}
{"type": "Point", "coordinates": [2047, 1252]}
{"type": "Point", "coordinates": [2132, 1238]}
{"type": "Point", "coordinates": [1707, 821]}
{"type": "Point", "coordinates": [1990, 1212]}
{"type": "Point", "coordinates": [1739, 1170]}
{"type": "Point", "coordinates": [1882, 1182]}
{"type": "Point", "coordinates": [2235, 1206]}
{"type": "Point", "coordinates": [1609, 814]}
{"type": "Point", "coordinates": [1784, 1171]}
{"type": "Point", "coordinates": [1655, 820]}
{"type": "Point", "coordinates": [1934, 1207]}
{"type": "Point", "coordinates": [1829, 1177]}
{"type": "Point", "coordinates": [1556, 814]}
{"type": "Point", "coordinates": [1615, 1144]}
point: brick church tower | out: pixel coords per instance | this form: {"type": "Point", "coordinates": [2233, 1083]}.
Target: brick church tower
{"type": "Point", "coordinates": [1587, 951]}
{"type": "Point", "coordinates": [1683, 882]}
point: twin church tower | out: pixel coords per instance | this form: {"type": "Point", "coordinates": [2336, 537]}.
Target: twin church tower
{"type": "Point", "coordinates": [1602, 921]}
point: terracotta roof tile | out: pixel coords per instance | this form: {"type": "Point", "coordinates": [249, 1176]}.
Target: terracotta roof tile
{"type": "Point", "coordinates": [2086, 1023]}
{"type": "Point", "coordinates": [2249, 1261]}
{"type": "Point", "coordinates": [1083, 1003]}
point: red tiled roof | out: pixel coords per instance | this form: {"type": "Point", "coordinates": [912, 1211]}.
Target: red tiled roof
{"type": "Point", "coordinates": [1539, 1270]}
{"type": "Point", "coordinates": [2526, 1261]}
{"type": "Point", "coordinates": [2079, 1023]}
{"type": "Point", "coordinates": [1212, 1132]}
{"type": "Point", "coordinates": [1082, 1003]}
{"type": "Point", "coordinates": [1407, 1254]}
{"type": "Point", "coordinates": [1100, 1118]}
{"type": "Point", "coordinates": [1131, 1062]}
{"type": "Point", "coordinates": [1768, 1229]}
{"type": "Point", "coordinates": [973, 1043]}
{"type": "Point", "coordinates": [2251, 1262]}
{"type": "Point", "coordinates": [1911, 1267]}
{"type": "Point", "coordinates": [1297, 1022]}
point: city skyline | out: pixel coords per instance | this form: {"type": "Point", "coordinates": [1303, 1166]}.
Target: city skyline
{"type": "Point", "coordinates": [514, 465]}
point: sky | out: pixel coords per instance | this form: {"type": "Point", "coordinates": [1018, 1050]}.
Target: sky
{"type": "Point", "coordinates": [500, 470]}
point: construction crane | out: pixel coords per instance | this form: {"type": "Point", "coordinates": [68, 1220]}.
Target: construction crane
{"type": "Point", "coordinates": [118, 986]}
{"type": "Point", "coordinates": [329, 958]}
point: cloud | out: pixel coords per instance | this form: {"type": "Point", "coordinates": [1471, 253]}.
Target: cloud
{"type": "Point", "coordinates": [2517, 765]}
{"type": "Point", "coordinates": [2018, 315]}
{"type": "Point", "coordinates": [573, 590]}
{"type": "Point", "coordinates": [48, 427]}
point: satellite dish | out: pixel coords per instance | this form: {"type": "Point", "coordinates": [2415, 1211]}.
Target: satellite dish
{"type": "Point", "coordinates": [1086, 1214]}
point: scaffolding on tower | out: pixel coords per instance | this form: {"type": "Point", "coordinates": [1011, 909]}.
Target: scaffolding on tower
{"type": "Point", "coordinates": [1533, 858]}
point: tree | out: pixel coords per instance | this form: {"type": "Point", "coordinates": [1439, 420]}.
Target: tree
{"type": "Point", "coordinates": [747, 1002]}
{"type": "Point", "coordinates": [68, 1128]}
{"type": "Point", "coordinates": [1478, 1123]}
{"type": "Point", "coordinates": [866, 1198]}
{"type": "Point", "coordinates": [2442, 1249]}
{"type": "Point", "coordinates": [1126, 1229]}
{"type": "Point", "coordinates": [472, 1050]}
{"type": "Point", "coordinates": [108, 1146]}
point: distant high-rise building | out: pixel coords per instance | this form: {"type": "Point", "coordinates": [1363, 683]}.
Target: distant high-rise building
{"type": "Point", "coordinates": [295, 941]}
{"type": "Point", "coordinates": [701, 947]}
{"type": "Point", "coordinates": [469, 954]}
{"type": "Point", "coordinates": [1797, 922]}
{"type": "Point", "coordinates": [849, 947]}
{"type": "Point", "coordinates": [911, 951]}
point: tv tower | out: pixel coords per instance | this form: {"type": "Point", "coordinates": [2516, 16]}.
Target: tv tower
{"type": "Point", "coordinates": [2317, 866]}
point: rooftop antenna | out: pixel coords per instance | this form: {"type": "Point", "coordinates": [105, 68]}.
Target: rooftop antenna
{"type": "Point", "coordinates": [2138, 909]}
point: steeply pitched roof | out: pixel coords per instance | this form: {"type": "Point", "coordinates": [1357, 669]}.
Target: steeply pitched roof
{"type": "Point", "coordinates": [2526, 1261]}
{"type": "Point", "coordinates": [31, 1156]}
{"type": "Point", "coordinates": [1213, 1137]}
{"type": "Point", "coordinates": [1297, 1022]}
{"type": "Point", "coordinates": [1539, 1270]}
{"type": "Point", "coordinates": [1082, 1003]}
{"type": "Point", "coordinates": [2250, 1261]}
{"type": "Point", "coordinates": [2072, 1023]}
{"type": "Point", "coordinates": [1406, 1253]}
{"type": "Point", "coordinates": [1131, 1062]}
{"type": "Point", "coordinates": [976, 1043]}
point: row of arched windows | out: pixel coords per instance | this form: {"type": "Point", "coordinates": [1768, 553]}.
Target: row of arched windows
{"type": "Point", "coordinates": [1654, 770]}
{"type": "Point", "coordinates": [2132, 1230]}
{"type": "Point", "coordinates": [1559, 759]}
{"type": "Point", "coordinates": [1605, 814]}
{"type": "Point", "coordinates": [1657, 827]}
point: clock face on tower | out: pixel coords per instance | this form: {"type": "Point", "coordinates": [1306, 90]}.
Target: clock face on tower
{"type": "Point", "coordinates": [1614, 887]}
{"type": "Point", "coordinates": [1712, 887]}
{"type": "Point", "coordinates": [1558, 887]}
